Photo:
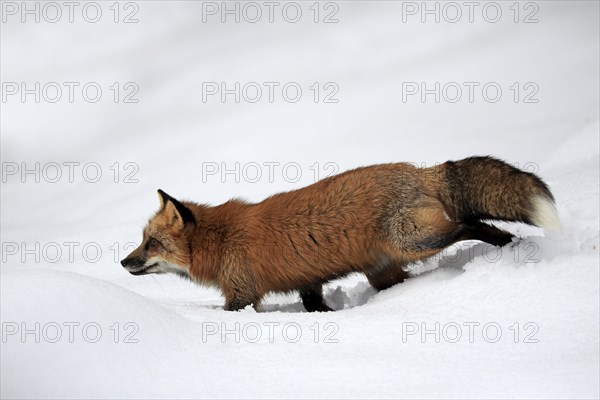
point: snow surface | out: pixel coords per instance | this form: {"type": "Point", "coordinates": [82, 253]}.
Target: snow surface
{"type": "Point", "coordinates": [174, 339]}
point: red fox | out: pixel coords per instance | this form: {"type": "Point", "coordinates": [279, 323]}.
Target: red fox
{"type": "Point", "coordinates": [375, 220]}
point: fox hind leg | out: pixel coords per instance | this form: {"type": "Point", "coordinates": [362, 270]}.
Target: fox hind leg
{"type": "Point", "coordinates": [435, 240]}
{"type": "Point", "coordinates": [486, 233]}
{"type": "Point", "coordinates": [472, 230]}
{"type": "Point", "coordinates": [386, 276]}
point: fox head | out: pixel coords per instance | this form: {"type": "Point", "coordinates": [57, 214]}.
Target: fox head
{"type": "Point", "coordinates": [164, 246]}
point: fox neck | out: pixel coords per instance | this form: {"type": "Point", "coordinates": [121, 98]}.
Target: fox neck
{"type": "Point", "coordinates": [206, 241]}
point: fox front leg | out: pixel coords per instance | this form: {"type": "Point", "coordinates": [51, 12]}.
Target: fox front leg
{"type": "Point", "coordinates": [236, 300]}
{"type": "Point", "coordinates": [312, 298]}
{"type": "Point", "coordinates": [238, 285]}
{"type": "Point", "coordinates": [236, 304]}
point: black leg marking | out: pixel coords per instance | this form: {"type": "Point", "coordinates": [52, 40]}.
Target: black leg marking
{"type": "Point", "coordinates": [486, 233]}
{"type": "Point", "coordinates": [312, 298]}
{"type": "Point", "coordinates": [468, 231]}
{"type": "Point", "coordinates": [386, 276]}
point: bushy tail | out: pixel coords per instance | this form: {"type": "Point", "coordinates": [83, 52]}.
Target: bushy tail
{"type": "Point", "coordinates": [486, 188]}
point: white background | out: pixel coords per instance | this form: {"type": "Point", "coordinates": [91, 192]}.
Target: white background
{"type": "Point", "coordinates": [171, 136]}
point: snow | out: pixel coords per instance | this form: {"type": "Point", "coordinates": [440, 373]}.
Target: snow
{"type": "Point", "coordinates": [474, 322]}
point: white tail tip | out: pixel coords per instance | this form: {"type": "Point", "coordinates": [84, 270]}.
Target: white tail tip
{"type": "Point", "coordinates": [544, 214]}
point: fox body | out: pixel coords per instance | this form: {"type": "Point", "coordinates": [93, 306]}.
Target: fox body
{"type": "Point", "coordinates": [375, 220]}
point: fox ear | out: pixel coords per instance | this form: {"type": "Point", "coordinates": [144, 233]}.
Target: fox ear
{"type": "Point", "coordinates": [175, 210]}
{"type": "Point", "coordinates": [163, 198]}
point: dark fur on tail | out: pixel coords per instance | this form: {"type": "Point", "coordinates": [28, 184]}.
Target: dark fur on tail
{"type": "Point", "coordinates": [479, 188]}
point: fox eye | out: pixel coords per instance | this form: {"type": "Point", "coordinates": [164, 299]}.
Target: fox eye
{"type": "Point", "coordinates": [152, 243]}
